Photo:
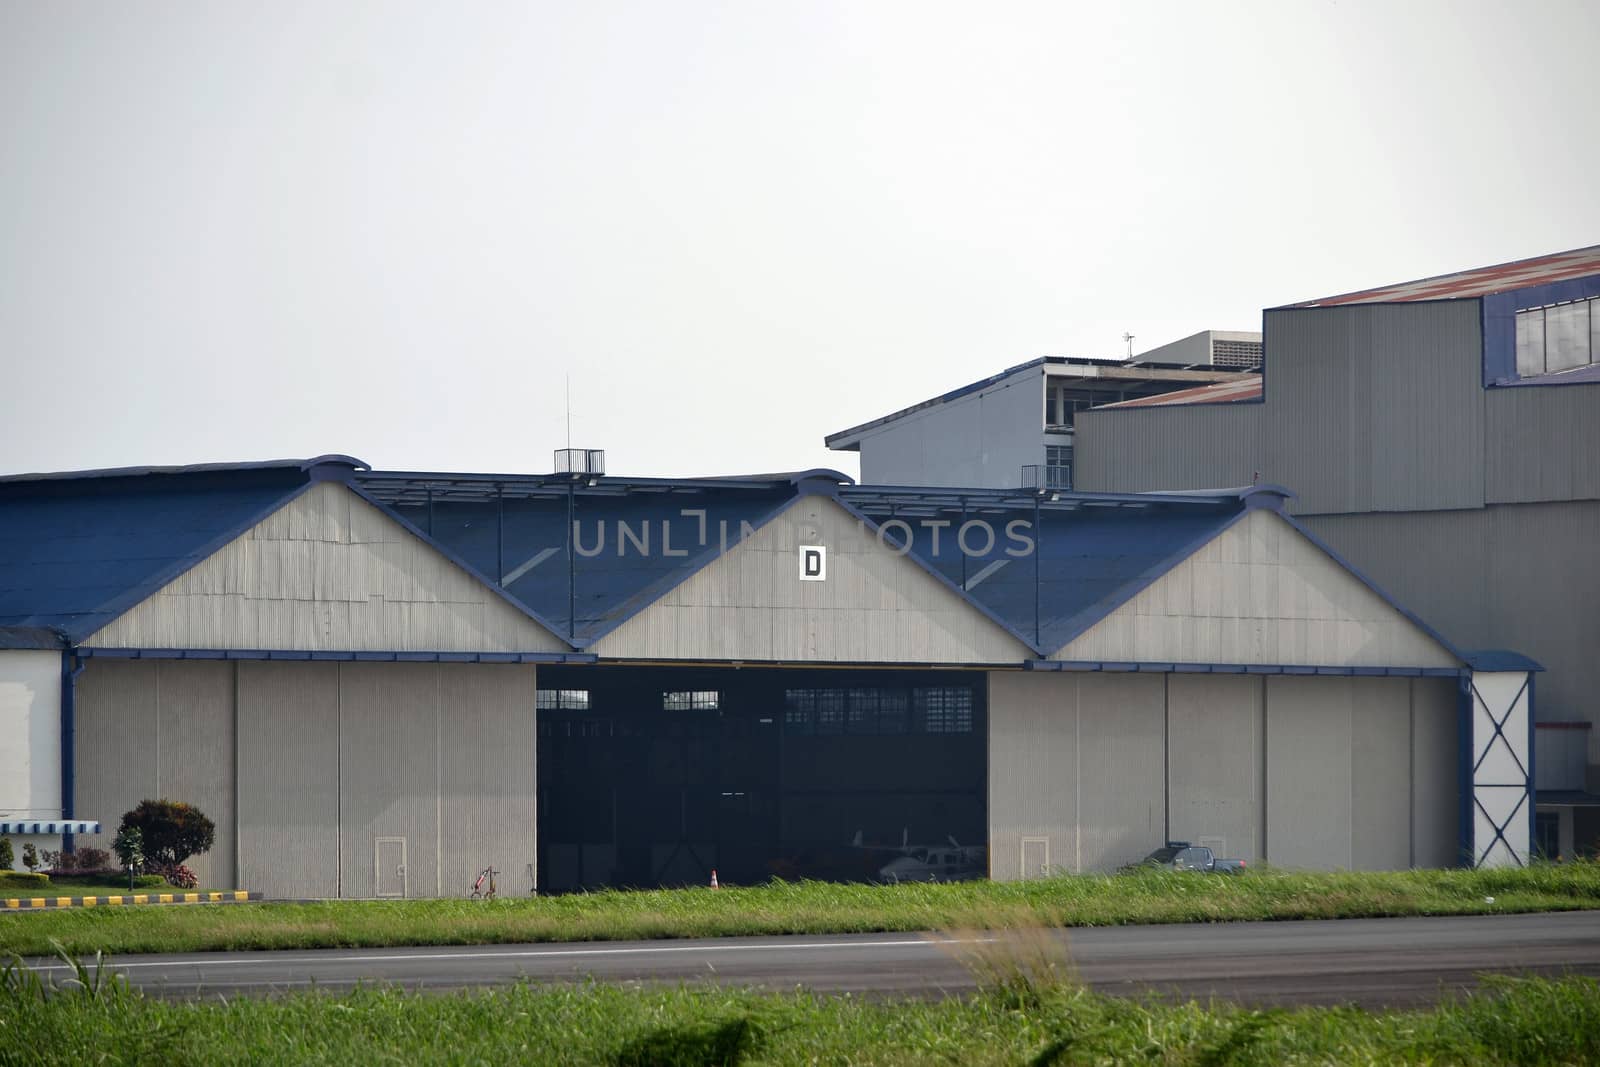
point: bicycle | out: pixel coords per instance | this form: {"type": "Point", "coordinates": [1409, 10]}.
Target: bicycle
{"type": "Point", "coordinates": [478, 890]}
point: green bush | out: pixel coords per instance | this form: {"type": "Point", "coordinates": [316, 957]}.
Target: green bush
{"type": "Point", "coordinates": [170, 832]}
{"type": "Point", "coordinates": [8, 859]}
{"type": "Point", "coordinates": [30, 856]}
{"type": "Point", "coordinates": [23, 880]}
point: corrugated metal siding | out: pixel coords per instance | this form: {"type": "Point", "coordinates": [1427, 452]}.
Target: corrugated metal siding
{"type": "Point", "coordinates": [1214, 730]}
{"type": "Point", "coordinates": [1543, 443]}
{"type": "Point", "coordinates": [875, 606]}
{"type": "Point", "coordinates": [1380, 774]}
{"type": "Point", "coordinates": [981, 439]}
{"type": "Point", "coordinates": [197, 754]}
{"type": "Point", "coordinates": [1144, 449]}
{"type": "Point", "coordinates": [1367, 407]}
{"type": "Point", "coordinates": [288, 778]}
{"type": "Point", "coordinates": [1308, 772]}
{"type": "Point", "coordinates": [1435, 786]}
{"type": "Point", "coordinates": [328, 571]}
{"type": "Point", "coordinates": [1032, 757]}
{"type": "Point", "coordinates": [157, 730]}
{"type": "Point", "coordinates": [488, 766]}
{"type": "Point", "coordinates": [389, 772]}
{"type": "Point", "coordinates": [1375, 407]}
{"type": "Point", "coordinates": [1520, 576]}
{"type": "Point", "coordinates": [117, 755]}
{"type": "Point", "coordinates": [1074, 759]}
{"type": "Point", "coordinates": [1121, 735]}
{"type": "Point", "coordinates": [1259, 592]}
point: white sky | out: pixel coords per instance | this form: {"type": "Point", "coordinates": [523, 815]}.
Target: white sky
{"type": "Point", "coordinates": [245, 230]}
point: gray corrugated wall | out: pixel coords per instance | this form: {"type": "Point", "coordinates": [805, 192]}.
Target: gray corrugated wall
{"type": "Point", "coordinates": [157, 730]}
{"type": "Point", "coordinates": [1435, 813]}
{"type": "Point", "coordinates": [389, 774]}
{"type": "Point", "coordinates": [1075, 759]}
{"type": "Point", "coordinates": [1308, 772]}
{"type": "Point", "coordinates": [488, 769]}
{"type": "Point", "coordinates": [1214, 765]}
{"type": "Point", "coordinates": [197, 748]}
{"type": "Point", "coordinates": [1520, 576]}
{"type": "Point", "coordinates": [289, 778]}
{"type": "Point", "coordinates": [115, 743]}
{"type": "Point", "coordinates": [1135, 450]}
{"type": "Point", "coordinates": [1375, 407]}
{"type": "Point", "coordinates": [1121, 734]}
{"type": "Point", "coordinates": [1543, 443]}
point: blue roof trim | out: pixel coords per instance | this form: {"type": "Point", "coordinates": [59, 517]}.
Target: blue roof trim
{"type": "Point", "coordinates": [1298, 669]}
{"type": "Point", "coordinates": [1489, 660]}
{"type": "Point", "coordinates": [331, 656]}
{"type": "Point", "coordinates": [307, 465]}
{"type": "Point", "coordinates": [1085, 620]}
{"type": "Point", "coordinates": [928, 568]}
{"type": "Point", "coordinates": [493, 587]}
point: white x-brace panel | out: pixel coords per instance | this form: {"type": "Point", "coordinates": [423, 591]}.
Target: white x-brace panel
{"type": "Point", "coordinates": [1501, 769]}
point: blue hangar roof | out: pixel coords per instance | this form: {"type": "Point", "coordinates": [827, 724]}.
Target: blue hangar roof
{"type": "Point", "coordinates": [76, 550]}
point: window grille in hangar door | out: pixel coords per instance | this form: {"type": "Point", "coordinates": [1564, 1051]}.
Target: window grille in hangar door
{"type": "Point", "coordinates": [389, 863]}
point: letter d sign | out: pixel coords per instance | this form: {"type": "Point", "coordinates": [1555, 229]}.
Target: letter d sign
{"type": "Point", "coordinates": [813, 563]}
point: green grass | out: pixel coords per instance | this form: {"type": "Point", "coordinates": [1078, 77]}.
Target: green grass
{"type": "Point", "coordinates": [1017, 1021]}
{"type": "Point", "coordinates": [808, 907]}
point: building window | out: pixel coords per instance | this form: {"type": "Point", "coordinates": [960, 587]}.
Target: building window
{"type": "Point", "coordinates": [944, 709]}
{"type": "Point", "coordinates": [695, 700]}
{"type": "Point", "coordinates": [1558, 337]}
{"type": "Point", "coordinates": [1058, 466]}
{"type": "Point", "coordinates": [562, 700]}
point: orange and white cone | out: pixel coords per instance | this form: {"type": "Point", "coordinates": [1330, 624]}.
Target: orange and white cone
{"type": "Point", "coordinates": [714, 884]}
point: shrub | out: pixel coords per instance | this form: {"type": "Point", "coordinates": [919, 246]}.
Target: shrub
{"type": "Point", "coordinates": [8, 858]}
{"type": "Point", "coordinates": [30, 856]}
{"type": "Point", "coordinates": [180, 876]}
{"type": "Point", "coordinates": [23, 880]}
{"type": "Point", "coordinates": [92, 859]}
{"type": "Point", "coordinates": [129, 847]}
{"type": "Point", "coordinates": [171, 831]}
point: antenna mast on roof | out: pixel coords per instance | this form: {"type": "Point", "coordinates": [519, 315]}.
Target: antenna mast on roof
{"type": "Point", "coordinates": [1128, 337]}
{"type": "Point", "coordinates": [569, 411]}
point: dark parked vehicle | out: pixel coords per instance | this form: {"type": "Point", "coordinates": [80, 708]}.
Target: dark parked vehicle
{"type": "Point", "coordinates": [1182, 856]}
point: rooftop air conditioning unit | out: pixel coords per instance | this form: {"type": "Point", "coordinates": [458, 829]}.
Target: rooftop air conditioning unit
{"type": "Point", "coordinates": [581, 461]}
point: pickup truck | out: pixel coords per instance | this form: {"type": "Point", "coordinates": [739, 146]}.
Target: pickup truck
{"type": "Point", "coordinates": [1182, 856]}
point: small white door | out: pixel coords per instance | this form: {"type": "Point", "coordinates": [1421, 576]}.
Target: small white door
{"type": "Point", "coordinates": [1035, 857]}
{"type": "Point", "coordinates": [389, 862]}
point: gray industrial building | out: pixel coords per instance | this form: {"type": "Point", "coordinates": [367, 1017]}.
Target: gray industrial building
{"type": "Point", "coordinates": [1444, 436]}
{"type": "Point", "coordinates": [378, 683]}
{"type": "Point", "coordinates": [1015, 428]}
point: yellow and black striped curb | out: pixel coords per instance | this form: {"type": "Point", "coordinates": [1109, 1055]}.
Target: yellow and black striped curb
{"type": "Point", "coordinates": [122, 900]}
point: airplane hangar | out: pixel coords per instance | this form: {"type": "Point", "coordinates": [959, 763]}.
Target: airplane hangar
{"type": "Point", "coordinates": [378, 683]}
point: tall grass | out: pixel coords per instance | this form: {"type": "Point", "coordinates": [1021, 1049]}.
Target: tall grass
{"type": "Point", "coordinates": [1533, 1022]}
{"type": "Point", "coordinates": [809, 907]}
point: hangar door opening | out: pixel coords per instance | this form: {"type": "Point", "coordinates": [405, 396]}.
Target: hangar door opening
{"type": "Point", "coordinates": [655, 776]}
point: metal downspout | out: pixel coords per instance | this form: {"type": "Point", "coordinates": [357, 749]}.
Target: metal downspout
{"type": "Point", "coordinates": [71, 667]}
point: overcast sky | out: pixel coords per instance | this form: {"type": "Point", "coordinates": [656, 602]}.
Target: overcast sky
{"type": "Point", "coordinates": [245, 230]}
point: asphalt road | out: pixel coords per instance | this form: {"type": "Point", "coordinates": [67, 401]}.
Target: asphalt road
{"type": "Point", "coordinates": [1372, 962]}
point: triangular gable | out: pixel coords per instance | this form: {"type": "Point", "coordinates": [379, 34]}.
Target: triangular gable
{"type": "Point", "coordinates": [75, 555]}
{"type": "Point", "coordinates": [328, 571]}
{"type": "Point", "coordinates": [1260, 592]}
{"type": "Point", "coordinates": [875, 605]}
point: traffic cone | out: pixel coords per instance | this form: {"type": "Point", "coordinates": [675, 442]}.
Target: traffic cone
{"type": "Point", "coordinates": [714, 884]}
